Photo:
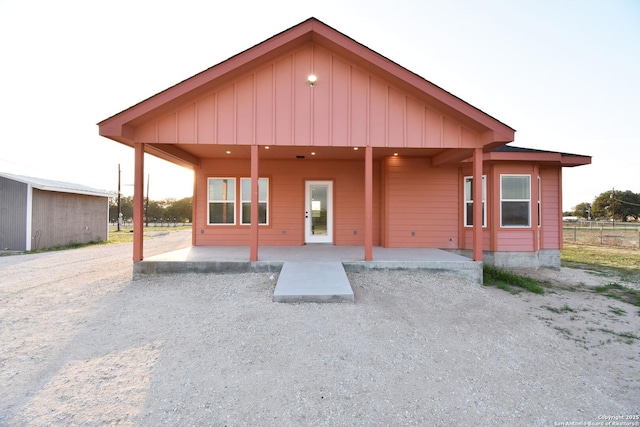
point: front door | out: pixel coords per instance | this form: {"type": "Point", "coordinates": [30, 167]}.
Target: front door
{"type": "Point", "coordinates": [318, 206]}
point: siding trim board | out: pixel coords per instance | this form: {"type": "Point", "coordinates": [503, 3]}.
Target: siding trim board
{"type": "Point", "coordinates": [29, 219]}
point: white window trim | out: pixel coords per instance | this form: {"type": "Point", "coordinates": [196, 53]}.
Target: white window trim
{"type": "Point", "coordinates": [539, 202]}
{"type": "Point", "coordinates": [259, 201]}
{"type": "Point", "coordinates": [484, 200]}
{"type": "Point", "coordinates": [515, 200]}
{"type": "Point", "coordinates": [209, 201]}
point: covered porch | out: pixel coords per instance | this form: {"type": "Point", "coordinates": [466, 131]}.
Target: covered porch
{"type": "Point", "coordinates": [235, 259]}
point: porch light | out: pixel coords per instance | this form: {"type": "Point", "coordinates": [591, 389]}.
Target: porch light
{"type": "Point", "coordinates": [355, 148]}
{"type": "Point", "coordinates": [266, 147]}
{"type": "Point", "coordinates": [313, 153]}
{"type": "Point", "coordinates": [228, 152]}
{"type": "Point", "coordinates": [312, 79]}
{"type": "Point", "coordinates": [395, 154]}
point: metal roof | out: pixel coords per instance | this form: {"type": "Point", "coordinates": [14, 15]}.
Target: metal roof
{"type": "Point", "coordinates": [512, 149]}
{"type": "Point", "coordinates": [58, 186]}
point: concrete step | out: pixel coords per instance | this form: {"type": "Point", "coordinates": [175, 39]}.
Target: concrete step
{"type": "Point", "coordinates": [311, 281]}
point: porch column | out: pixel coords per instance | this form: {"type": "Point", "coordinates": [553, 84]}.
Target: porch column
{"type": "Point", "coordinates": [477, 204]}
{"type": "Point", "coordinates": [368, 203]}
{"type": "Point", "coordinates": [138, 202]}
{"type": "Point", "coordinates": [253, 256]}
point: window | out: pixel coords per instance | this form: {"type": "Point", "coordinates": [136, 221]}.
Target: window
{"type": "Point", "coordinates": [468, 201]}
{"type": "Point", "coordinates": [222, 201]}
{"type": "Point", "coordinates": [539, 204]}
{"type": "Point", "coordinates": [515, 200]}
{"type": "Point", "coordinates": [263, 200]}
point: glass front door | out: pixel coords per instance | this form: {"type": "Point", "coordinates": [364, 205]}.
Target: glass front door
{"type": "Point", "coordinates": [318, 212]}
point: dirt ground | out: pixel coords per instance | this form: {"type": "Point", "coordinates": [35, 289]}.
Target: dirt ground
{"type": "Point", "coordinates": [82, 344]}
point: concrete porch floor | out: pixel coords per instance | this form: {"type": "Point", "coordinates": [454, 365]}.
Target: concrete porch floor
{"type": "Point", "coordinates": [235, 259]}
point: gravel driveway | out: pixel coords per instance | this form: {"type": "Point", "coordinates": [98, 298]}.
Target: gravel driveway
{"type": "Point", "coordinates": [81, 344]}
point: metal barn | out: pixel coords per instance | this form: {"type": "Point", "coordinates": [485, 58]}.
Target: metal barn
{"type": "Point", "coordinates": [39, 213]}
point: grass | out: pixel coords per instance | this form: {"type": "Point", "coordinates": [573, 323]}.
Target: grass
{"type": "Point", "coordinates": [609, 261]}
{"type": "Point", "coordinates": [627, 337]}
{"type": "Point", "coordinates": [620, 292]}
{"type": "Point", "coordinates": [125, 235]}
{"type": "Point", "coordinates": [617, 311]}
{"type": "Point", "coordinates": [506, 280]}
{"type": "Point", "coordinates": [563, 309]}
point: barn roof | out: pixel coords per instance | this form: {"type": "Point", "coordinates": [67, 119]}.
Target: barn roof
{"type": "Point", "coordinates": [57, 186]}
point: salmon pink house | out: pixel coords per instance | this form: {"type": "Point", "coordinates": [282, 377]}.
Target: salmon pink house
{"type": "Point", "coordinates": [311, 137]}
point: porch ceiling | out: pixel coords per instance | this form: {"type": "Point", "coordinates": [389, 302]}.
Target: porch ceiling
{"type": "Point", "coordinates": [203, 151]}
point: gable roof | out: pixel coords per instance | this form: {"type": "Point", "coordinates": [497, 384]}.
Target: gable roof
{"type": "Point", "coordinates": [57, 186]}
{"type": "Point", "coordinates": [120, 126]}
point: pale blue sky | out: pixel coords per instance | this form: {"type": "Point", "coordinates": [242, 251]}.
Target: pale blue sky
{"type": "Point", "coordinates": [564, 74]}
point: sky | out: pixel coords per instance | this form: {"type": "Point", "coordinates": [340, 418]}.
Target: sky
{"type": "Point", "coordinates": [564, 73]}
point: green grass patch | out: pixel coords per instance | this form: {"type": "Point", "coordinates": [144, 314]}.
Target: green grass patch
{"type": "Point", "coordinates": [563, 309]}
{"type": "Point", "coordinates": [609, 261]}
{"type": "Point", "coordinates": [627, 337]}
{"type": "Point", "coordinates": [617, 311]}
{"type": "Point", "coordinates": [620, 292]}
{"type": "Point", "coordinates": [506, 280]}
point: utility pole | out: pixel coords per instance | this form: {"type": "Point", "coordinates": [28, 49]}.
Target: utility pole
{"type": "Point", "coordinates": [613, 206]}
{"type": "Point", "coordinates": [119, 219]}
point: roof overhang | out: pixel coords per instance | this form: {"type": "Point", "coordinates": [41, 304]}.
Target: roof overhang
{"type": "Point", "coordinates": [517, 154]}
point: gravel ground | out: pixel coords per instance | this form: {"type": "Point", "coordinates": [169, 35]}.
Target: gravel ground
{"type": "Point", "coordinates": [81, 344]}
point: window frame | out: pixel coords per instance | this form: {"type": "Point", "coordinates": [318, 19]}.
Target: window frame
{"type": "Point", "coordinates": [470, 201]}
{"type": "Point", "coordinates": [266, 202]}
{"type": "Point", "coordinates": [210, 201]}
{"type": "Point", "coordinates": [539, 202]}
{"type": "Point", "coordinates": [503, 200]}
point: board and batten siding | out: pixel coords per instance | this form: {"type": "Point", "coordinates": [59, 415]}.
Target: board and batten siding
{"type": "Point", "coordinates": [60, 219]}
{"type": "Point", "coordinates": [275, 105]}
{"type": "Point", "coordinates": [13, 215]}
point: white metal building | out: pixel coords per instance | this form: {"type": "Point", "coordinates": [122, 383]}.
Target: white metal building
{"type": "Point", "coordinates": [39, 213]}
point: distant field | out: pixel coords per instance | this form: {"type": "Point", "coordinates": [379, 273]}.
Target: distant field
{"type": "Point", "coordinates": [625, 235]}
{"type": "Point", "coordinates": [126, 232]}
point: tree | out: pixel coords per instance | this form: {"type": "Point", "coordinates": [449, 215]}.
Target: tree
{"type": "Point", "coordinates": [180, 210]}
{"type": "Point", "coordinates": [582, 210]}
{"type": "Point", "coordinates": [627, 203]}
{"type": "Point", "coordinates": [126, 208]}
{"type": "Point", "coordinates": [155, 210]}
{"type": "Point", "coordinates": [618, 205]}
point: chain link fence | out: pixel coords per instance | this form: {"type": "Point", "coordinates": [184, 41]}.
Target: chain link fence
{"type": "Point", "coordinates": [599, 233]}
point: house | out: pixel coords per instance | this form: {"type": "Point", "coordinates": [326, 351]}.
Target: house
{"type": "Point", "coordinates": [39, 213]}
{"type": "Point", "coordinates": [311, 137]}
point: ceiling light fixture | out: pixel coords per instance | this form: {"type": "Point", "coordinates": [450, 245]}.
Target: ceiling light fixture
{"type": "Point", "coordinates": [355, 148]}
{"type": "Point", "coordinates": [312, 79]}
